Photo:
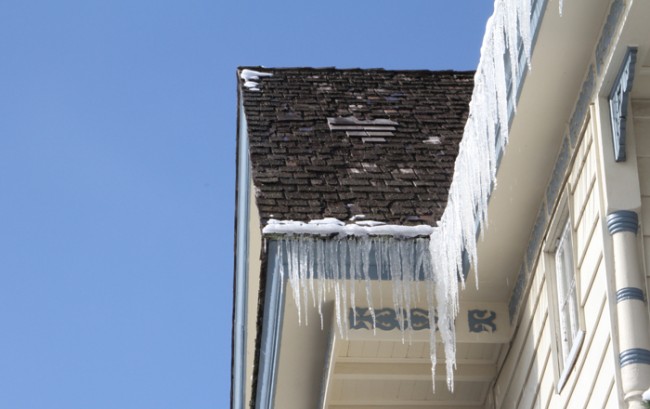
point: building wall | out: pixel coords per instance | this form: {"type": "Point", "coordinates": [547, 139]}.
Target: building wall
{"type": "Point", "coordinates": [641, 112]}
{"type": "Point", "coordinates": [254, 268]}
{"type": "Point", "coordinates": [529, 375]}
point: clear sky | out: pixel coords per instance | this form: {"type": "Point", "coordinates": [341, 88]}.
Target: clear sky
{"type": "Point", "coordinates": [117, 175]}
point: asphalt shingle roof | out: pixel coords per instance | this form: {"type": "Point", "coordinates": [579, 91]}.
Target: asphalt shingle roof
{"type": "Point", "coordinates": [343, 142]}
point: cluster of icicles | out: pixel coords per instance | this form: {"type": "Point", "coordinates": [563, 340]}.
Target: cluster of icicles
{"type": "Point", "coordinates": [315, 266]}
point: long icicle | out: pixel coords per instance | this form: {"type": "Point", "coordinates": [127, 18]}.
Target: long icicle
{"type": "Point", "coordinates": [454, 238]}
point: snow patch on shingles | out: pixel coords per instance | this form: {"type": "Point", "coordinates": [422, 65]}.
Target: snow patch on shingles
{"type": "Point", "coordinates": [331, 226]}
{"type": "Point", "coordinates": [434, 140]}
{"type": "Point", "coordinates": [251, 77]}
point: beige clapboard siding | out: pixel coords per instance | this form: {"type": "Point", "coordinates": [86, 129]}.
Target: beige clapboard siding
{"type": "Point", "coordinates": [530, 308]}
{"type": "Point", "coordinates": [523, 351]}
{"type": "Point", "coordinates": [604, 382]}
{"type": "Point", "coordinates": [528, 376]}
{"type": "Point", "coordinates": [612, 400]}
{"type": "Point", "coordinates": [588, 365]}
{"type": "Point", "coordinates": [641, 111]}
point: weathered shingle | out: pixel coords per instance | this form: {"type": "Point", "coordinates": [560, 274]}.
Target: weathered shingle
{"type": "Point", "coordinates": [361, 162]}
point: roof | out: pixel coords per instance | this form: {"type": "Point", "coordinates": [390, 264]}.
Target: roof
{"type": "Point", "coordinates": [370, 143]}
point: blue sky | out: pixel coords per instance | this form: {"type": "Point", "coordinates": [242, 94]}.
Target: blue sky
{"type": "Point", "coordinates": [117, 172]}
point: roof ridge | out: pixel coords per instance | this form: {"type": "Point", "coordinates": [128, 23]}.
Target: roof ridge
{"type": "Point", "coordinates": [353, 69]}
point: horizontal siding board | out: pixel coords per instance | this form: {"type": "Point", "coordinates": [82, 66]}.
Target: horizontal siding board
{"type": "Point", "coordinates": [586, 230]}
{"type": "Point", "coordinates": [581, 157]}
{"type": "Point", "coordinates": [592, 365]}
{"type": "Point", "coordinates": [530, 393]}
{"type": "Point", "coordinates": [604, 382]}
{"type": "Point", "coordinates": [510, 383]}
{"type": "Point", "coordinates": [547, 383]}
{"type": "Point", "coordinates": [582, 187]}
{"type": "Point", "coordinates": [586, 284]}
{"type": "Point", "coordinates": [528, 362]}
{"type": "Point", "coordinates": [612, 400]}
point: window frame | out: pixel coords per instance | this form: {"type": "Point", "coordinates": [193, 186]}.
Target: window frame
{"type": "Point", "coordinates": [564, 360]}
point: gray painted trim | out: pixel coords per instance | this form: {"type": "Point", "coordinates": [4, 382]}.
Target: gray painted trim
{"type": "Point", "coordinates": [389, 319]}
{"type": "Point", "coordinates": [238, 395]}
{"type": "Point", "coordinates": [630, 293]}
{"type": "Point", "coordinates": [559, 173]}
{"type": "Point", "coordinates": [634, 356]}
{"type": "Point", "coordinates": [618, 102]}
{"type": "Point", "coordinates": [622, 221]}
{"type": "Point", "coordinates": [343, 247]}
{"type": "Point", "coordinates": [536, 237]}
{"type": "Point", "coordinates": [605, 41]}
{"type": "Point", "coordinates": [570, 360]}
{"type": "Point", "coordinates": [518, 292]}
{"type": "Point", "coordinates": [271, 332]}
{"type": "Point", "coordinates": [582, 106]}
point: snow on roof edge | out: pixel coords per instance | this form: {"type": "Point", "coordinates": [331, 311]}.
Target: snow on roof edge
{"type": "Point", "coordinates": [332, 226]}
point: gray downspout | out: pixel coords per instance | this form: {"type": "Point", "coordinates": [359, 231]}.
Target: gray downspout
{"type": "Point", "coordinates": [238, 395]}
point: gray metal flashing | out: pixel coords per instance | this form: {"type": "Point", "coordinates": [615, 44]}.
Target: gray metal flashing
{"type": "Point", "coordinates": [274, 296]}
{"type": "Point", "coordinates": [559, 172]}
{"type": "Point", "coordinates": [634, 356]}
{"type": "Point", "coordinates": [582, 106]}
{"type": "Point", "coordinates": [619, 101]}
{"type": "Point", "coordinates": [630, 293]}
{"type": "Point", "coordinates": [605, 40]}
{"type": "Point", "coordinates": [237, 397]}
{"type": "Point", "coordinates": [623, 221]}
{"type": "Point", "coordinates": [518, 292]}
{"type": "Point", "coordinates": [535, 240]}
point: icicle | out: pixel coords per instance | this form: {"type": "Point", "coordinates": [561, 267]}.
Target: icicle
{"type": "Point", "coordinates": [379, 262]}
{"type": "Point", "coordinates": [355, 259]}
{"type": "Point", "coordinates": [303, 276]}
{"type": "Point", "coordinates": [524, 28]}
{"type": "Point", "coordinates": [397, 281]}
{"type": "Point", "coordinates": [366, 246]}
{"type": "Point", "coordinates": [337, 261]}
{"type": "Point", "coordinates": [333, 257]}
{"type": "Point", "coordinates": [343, 275]}
{"type": "Point", "coordinates": [406, 257]}
{"type": "Point", "coordinates": [321, 273]}
{"type": "Point", "coordinates": [294, 273]}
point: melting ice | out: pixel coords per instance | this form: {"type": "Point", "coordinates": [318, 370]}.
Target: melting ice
{"type": "Point", "coordinates": [315, 266]}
